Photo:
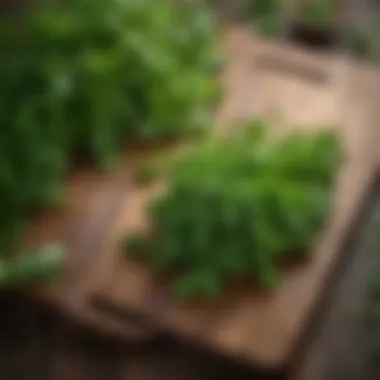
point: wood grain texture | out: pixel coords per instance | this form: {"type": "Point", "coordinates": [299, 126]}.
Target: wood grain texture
{"type": "Point", "coordinates": [93, 201]}
{"type": "Point", "coordinates": [263, 329]}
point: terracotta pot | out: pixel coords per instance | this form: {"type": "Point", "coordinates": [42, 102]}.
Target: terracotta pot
{"type": "Point", "coordinates": [314, 35]}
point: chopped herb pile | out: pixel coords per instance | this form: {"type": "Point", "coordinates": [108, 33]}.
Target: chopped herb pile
{"type": "Point", "coordinates": [239, 207]}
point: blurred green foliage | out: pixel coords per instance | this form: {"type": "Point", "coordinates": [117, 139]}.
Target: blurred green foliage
{"type": "Point", "coordinates": [239, 206]}
{"type": "Point", "coordinates": [317, 11]}
{"type": "Point", "coordinates": [80, 78]}
{"type": "Point", "coordinates": [265, 15]}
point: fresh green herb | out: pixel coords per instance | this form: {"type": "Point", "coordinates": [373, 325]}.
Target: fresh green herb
{"type": "Point", "coordinates": [136, 244]}
{"type": "Point", "coordinates": [82, 78]}
{"type": "Point", "coordinates": [40, 265]}
{"type": "Point", "coordinates": [145, 174]}
{"type": "Point", "coordinates": [317, 11]}
{"type": "Point", "coordinates": [259, 8]}
{"type": "Point", "coordinates": [359, 41]}
{"type": "Point", "coordinates": [265, 15]}
{"type": "Point", "coordinates": [241, 205]}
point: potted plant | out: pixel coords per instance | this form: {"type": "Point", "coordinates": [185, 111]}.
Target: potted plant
{"type": "Point", "coordinates": [317, 22]}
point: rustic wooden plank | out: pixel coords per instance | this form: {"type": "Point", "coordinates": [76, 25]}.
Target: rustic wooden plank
{"type": "Point", "coordinates": [258, 328]}
{"type": "Point", "coordinates": [342, 346]}
{"type": "Point", "coordinates": [162, 361]}
{"type": "Point", "coordinates": [74, 356]}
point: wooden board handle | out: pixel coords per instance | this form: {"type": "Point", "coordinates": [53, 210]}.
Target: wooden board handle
{"type": "Point", "coordinates": [128, 318]}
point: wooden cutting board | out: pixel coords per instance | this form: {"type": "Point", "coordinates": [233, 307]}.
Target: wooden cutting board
{"type": "Point", "coordinates": [93, 201]}
{"type": "Point", "coordinates": [290, 88]}
{"type": "Point", "coordinates": [82, 225]}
